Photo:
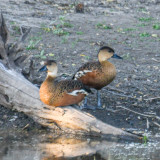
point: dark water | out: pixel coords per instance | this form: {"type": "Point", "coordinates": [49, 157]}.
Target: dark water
{"type": "Point", "coordinates": [28, 146]}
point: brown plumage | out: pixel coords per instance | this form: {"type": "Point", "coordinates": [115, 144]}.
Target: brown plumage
{"type": "Point", "coordinates": [102, 74]}
{"type": "Point", "coordinates": [62, 93]}
{"type": "Point", "coordinates": [98, 74]}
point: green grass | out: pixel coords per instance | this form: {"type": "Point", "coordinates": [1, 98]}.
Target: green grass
{"type": "Point", "coordinates": [74, 43]}
{"type": "Point", "coordinates": [87, 57]}
{"type": "Point", "coordinates": [145, 34]}
{"type": "Point", "coordinates": [126, 56]}
{"type": "Point", "coordinates": [145, 139]}
{"type": "Point", "coordinates": [57, 29]}
{"type": "Point", "coordinates": [132, 35]}
{"type": "Point", "coordinates": [64, 39]}
{"type": "Point", "coordinates": [64, 22]}
{"type": "Point", "coordinates": [156, 26]}
{"type": "Point", "coordinates": [62, 18]}
{"type": "Point", "coordinates": [129, 29]}
{"type": "Point", "coordinates": [41, 55]}
{"type": "Point", "coordinates": [144, 19]}
{"type": "Point", "coordinates": [142, 25]}
{"type": "Point", "coordinates": [46, 28]}
{"type": "Point", "coordinates": [33, 43]}
{"type": "Point", "coordinates": [142, 9]}
{"type": "Point", "coordinates": [12, 23]}
{"type": "Point", "coordinates": [15, 27]}
{"type": "Point", "coordinates": [79, 33]}
{"type": "Point", "coordinates": [67, 24]}
{"type": "Point", "coordinates": [103, 26]}
{"type": "Point", "coordinates": [60, 32]}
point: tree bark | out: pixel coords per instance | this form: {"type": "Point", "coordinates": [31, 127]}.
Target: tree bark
{"type": "Point", "coordinates": [18, 93]}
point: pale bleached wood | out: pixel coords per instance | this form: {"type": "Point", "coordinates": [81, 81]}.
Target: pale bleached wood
{"type": "Point", "coordinates": [18, 93]}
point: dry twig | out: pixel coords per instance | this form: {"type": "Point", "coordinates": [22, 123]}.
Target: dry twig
{"type": "Point", "coordinates": [142, 114]}
{"type": "Point", "coordinates": [157, 124]}
{"type": "Point", "coordinates": [155, 60]}
{"type": "Point", "coordinates": [150, 99]}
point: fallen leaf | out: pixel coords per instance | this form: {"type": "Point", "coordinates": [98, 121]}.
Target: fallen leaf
{"type": "Point", "coordinates": [154, 35]}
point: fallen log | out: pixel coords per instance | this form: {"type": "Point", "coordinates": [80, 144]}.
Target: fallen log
{"type": "Point", "coordinates": [16, 92]}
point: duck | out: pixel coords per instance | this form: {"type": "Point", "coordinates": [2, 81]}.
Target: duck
{"type": "Point", "coordinates": [98, 74]}
{"type": "Point", "coordinates": [60, 93]}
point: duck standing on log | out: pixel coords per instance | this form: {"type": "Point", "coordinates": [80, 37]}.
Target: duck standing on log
{"type": "Point", "coordinates": [60, 93]}
{"type": "Point", "coordinates": [98, 74]}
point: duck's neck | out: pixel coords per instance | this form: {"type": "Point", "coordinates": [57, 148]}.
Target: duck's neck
{"type": "Point", "coordinates": [51, 76]}
{"type": "Point", "coordinates": [103, 62]}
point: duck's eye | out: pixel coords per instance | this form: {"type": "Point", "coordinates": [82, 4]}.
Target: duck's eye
{"type": "Point", "coordinates": [109, 51]}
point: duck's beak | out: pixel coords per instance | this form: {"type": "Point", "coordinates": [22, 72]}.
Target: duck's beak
{"type": "Point", "coordinates": [116, 56]}
{"type": "Point", "coordinates": [44, 68]}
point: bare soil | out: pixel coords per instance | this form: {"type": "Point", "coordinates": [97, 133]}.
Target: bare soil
{"type": "Point", "coordinates": [58, 32]}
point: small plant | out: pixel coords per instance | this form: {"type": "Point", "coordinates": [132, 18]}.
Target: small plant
{"type": "Point", "coordinates": [41, 55]}
{"type": "Point", "coordinates": [132, 35]}
{"type": "Point", "coordinates": [33, 42]}
{"type": "Point", "coordinates": [64, 23]}
{"type": "Point", "coordinates": [156, 26]}
{"type": "Point", "coordinates": [129, 29]}
{"type": "Point", "coordinates": [87, 57]}
{"type": "Point", "coordinates": [144, 10]}
{"type": "Point", "coordinates": [79, 33]}
{"type": "Point", "coordinates": [102, 26]}
{"type": "Point", "coordinates": [74, 43]}
{"type": "Point", "coordinates": [142, 25]}
{"type": "Point", "coordinates": [60, 32]}
{"type": "Point", "coordinates": [45, 28]}
{"type": "Point", "coordinates": [143, 19]}
{"type": "Point", "coordinates": [62, 18]}
{"type": "Point", "coordinates": [16, 29]}
{"type": "Point", "coordinates": [144, 34]}
{"type": "Point", "coordinates": [12, 23]}
{"type": "Point", "coordinates": [58, 28]}
{"type": "Point", "coordinates": [67, 24]}
{"type": "Point", "coordinates": [145, 139]}
{"type": "Point", "coordinates": [126, 56]}
{"type": "Point", "coordinates": [64, 39]}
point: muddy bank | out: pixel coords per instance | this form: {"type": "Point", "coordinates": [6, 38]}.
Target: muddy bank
{"type": "Point", "coordinates": [72, 39]}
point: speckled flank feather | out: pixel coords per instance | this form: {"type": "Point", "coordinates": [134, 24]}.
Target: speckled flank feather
{"type": "Point", "coordinates": [71, 85]}
{"type": "Point", "coordinates": [59, 93]}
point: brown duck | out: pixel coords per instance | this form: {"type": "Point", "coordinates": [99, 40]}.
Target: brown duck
{"type": "Point", "coordinates": [60, 93]}
{"type": "Point", "coordinates": [98, 74]}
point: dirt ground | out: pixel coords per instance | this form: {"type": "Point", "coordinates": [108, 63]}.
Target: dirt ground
{"type": "Point", "coordinates": [58, 32]}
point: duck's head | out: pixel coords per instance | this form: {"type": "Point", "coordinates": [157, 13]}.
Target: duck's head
{"type": "Point", "coordinates": [106, 52]}
{"type": "Point", "coordinates": [51, 67]}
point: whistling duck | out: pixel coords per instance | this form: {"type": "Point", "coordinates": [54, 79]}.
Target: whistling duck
{"type": "Point", "coordinates": [60, 93]}
{"type": "Point", "coordinates": [98, 74]}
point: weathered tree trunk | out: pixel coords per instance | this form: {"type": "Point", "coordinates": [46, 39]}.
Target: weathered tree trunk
{"type": "Point", "coordinates": [18, 93]}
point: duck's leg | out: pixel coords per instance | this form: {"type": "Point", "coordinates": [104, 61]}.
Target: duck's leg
{"type": "Point", "coordinates": [85, 106]}
{"type": "Point", "coordinates": [99, 104]}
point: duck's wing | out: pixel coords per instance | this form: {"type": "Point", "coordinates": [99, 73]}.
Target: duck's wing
{"type": "Point", "coordinates": [86, 68]}
{"type": "Point", "coordinates": [73, 87]}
